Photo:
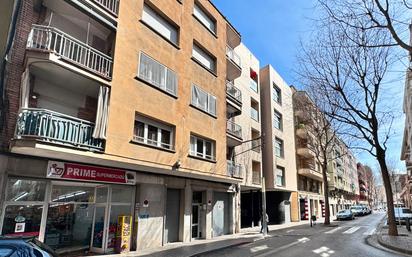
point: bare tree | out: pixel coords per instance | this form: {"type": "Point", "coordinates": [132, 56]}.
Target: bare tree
{"type": "Point", "coordinates": [375, 16]}
{"type": "Point", "coordinates": [340, 63]}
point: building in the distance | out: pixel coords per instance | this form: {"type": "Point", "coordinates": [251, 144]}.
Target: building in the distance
{"type": "Point", "coordinates": [279, 156]}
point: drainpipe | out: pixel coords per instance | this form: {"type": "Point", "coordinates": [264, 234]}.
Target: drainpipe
{"type": "Point", "coordinates": [10, 38]}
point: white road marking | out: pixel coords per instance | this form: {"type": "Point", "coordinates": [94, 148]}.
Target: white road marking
{"type": "Point", "coordinates": [351, 230]}
{"type": "Point", "coordinates": [258, 248]}
{"type": "Point", "coordinates": [370, 232]}
{"type": "Point", "coordinates": [290, 230]}
{"type": "Point", "coordinates": [270, 253]}
{"type": "Point", "coordinates": [333, 230]}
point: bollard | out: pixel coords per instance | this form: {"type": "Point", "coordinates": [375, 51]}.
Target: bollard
{"type": "Point", "coordinates": [408, 224]}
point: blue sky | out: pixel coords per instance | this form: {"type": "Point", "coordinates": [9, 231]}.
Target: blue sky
{"type": "Point", "coordinates": [273, 30]}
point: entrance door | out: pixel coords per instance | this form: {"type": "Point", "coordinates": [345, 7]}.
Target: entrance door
{"type": "Point", "coordinates": [195, 220]}
{"type": "Point", "coordinates": [220, 216]}
{"type": "Point", "coordinates": [172, 215]}
{"type": "Point", "coordinates": [99, 229]}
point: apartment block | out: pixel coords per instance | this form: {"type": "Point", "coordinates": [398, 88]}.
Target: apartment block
{"type": "Point", "coordinates": [279, 156]}
{"type": "Point", "coordinates": [248, 155]}
{"type": "Point", "coordinates": [309, 173]}
{"type": "Point", "coordinates": [122, 109]}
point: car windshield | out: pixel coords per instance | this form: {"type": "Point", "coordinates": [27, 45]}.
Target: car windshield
{"type": "Point", "coordinates": [356, 208]}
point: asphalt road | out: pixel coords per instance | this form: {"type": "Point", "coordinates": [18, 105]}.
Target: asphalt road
{"type": "Point", "coordinates": [348, 239]}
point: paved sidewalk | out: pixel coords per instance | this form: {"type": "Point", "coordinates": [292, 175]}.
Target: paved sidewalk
{"type": "Point", "coordinates": [198, 247]}
{"type": "Point", "coordinates": [401, 243]}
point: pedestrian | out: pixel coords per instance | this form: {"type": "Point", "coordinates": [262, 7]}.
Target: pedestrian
{"type": "Point", "coordinates": [267, 222]}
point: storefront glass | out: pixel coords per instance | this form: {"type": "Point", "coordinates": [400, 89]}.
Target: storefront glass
{"type": "Point", "coordinates": [22, 220]}
{"type": "Point", "coordinates": [19, 190]}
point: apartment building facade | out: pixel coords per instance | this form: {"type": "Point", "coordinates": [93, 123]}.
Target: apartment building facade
{"type": "Point", "coordinates": [279, 158]}
{"type": "Point", "coordinates": [248, 155]}
{"type": "Point", "coordinates": [119, 108]}
{"type": "Point", "coordinates": [309, 174]}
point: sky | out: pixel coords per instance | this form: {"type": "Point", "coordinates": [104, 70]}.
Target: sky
{"type": "Point", "coordinates": [274, 29]}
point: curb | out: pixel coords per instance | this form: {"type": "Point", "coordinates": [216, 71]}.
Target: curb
{"type": "Point", "coordinates": [386, 245]}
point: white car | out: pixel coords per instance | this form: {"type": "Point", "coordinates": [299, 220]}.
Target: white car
{"type": "Point", "coordinates": [402, 213]}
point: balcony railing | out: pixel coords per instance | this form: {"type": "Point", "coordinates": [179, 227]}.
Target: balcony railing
{"type": "Point", "coordinates": [234, 57]}
{"type": "Point", "coordinates": [110, 5]}
{"type": "Point", "coordinates": [233, 91]}
{"type": "Point", "coordinates": [234, 170]}
{"type": "Point", "coordinates": [234, 129]}
{"type": "Point", "coordinates": [256, 180]}
{"type": "Point", "coordinates": [70, 49]}
{"type": "Point", "coordinates": [57, 128]}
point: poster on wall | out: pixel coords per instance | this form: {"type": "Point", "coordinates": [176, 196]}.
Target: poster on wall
{"type": "Point", "coordinates": [73, 171]}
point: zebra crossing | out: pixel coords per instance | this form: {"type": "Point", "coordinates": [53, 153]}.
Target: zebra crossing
{"type": "Point", "coordinates": [365, 230]}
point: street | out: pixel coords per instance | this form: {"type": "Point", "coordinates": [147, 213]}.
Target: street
{"type": "Point", "coordinates": [347, 239]}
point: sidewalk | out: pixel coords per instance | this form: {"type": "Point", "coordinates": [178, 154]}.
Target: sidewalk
{"type": "Point", "coordinates": [401, 243]}
{"type": "Point", "coordinates": [197, 247]}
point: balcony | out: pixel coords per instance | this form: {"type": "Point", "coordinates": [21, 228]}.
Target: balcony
{"type": "Point", "coordinates": [233, 64]}
{"type": "Point", "coordinates": [232, 36]}
{"type": "Point", "coordinates": [234, 170]}
{"type": "Point", "coordinates": [70, 50]}
{"type": "Point", "coordinates": [305, 152]}
{"type": "Point", "coordinates": [112, 6]}
{"type": "Point", "coordinates": [311, 172]}
{"type": "Point", "coordinates": [234, 133]}
{"type": "Point", "coordinates": [234, 98]}
{"type": "Point", "coordinates": [56, 128]}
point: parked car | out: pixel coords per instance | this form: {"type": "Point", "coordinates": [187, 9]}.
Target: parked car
{"type": "Point", "coordinates": [357, 210]}
{"type": "Point", "coordinates": [366, 210]}
{"type": "Point", "coordinates": [345, 215]}
{"type": "Point", "coordinates": [24, 247]}
{"type": "Point", "coordinates": [401, 214]}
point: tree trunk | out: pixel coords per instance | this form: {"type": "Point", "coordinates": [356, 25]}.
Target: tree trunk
{"type": "Point", "coordinates": [380, 156]}
{"type": "Point", "coordinates": [326, 191]}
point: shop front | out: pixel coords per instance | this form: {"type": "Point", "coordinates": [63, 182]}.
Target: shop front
{"type": "Point", "coordinates": [73, 208]}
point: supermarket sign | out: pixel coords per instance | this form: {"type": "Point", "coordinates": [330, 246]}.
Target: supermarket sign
{"type": "Point", "coordinates": [73, 171]}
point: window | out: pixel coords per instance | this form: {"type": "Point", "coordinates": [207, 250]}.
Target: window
{"type": "Point", "coordinates": [204, 101]}
{"type": "Point", "coordinates": [153, 133]}
{"type": "Point", "coordinates": [253, 85]}
{"type": "Point", "coordinates": [204, 18]}
{"type": "Point", "coordinates": [277, 94]}
{"type": "Point", "coordinates": [280, 176]}
{"type": "Point", "coordinates": [157, 74]}
{"type": "Point", "coordinates": [162, 26]}
{"type": "Point", "coordinates": [202, 148]}
{"type": "Point", "coordinates": [205, 59]}
{"type": "Point", "coordinates": [254, 110]}
{"type": "Point", "coordinates": [277, 120]}
{"type": "Point", "coordinates": [279, 152]}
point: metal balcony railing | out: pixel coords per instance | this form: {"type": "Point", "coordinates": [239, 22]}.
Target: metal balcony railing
{"type": "Point", "coordinates": [234, 57]}
{"type": "Point", "coordinates": [53, 40]}
{"type": "Point", "coordinates": [234, 170]}
{"type": "Point", "coordinates": [256, 180]}
{"type": "Point", "coordinates": [233, 91]}
{"type": "Point", "coordinates": [234, 129]}
{"type": "Point", "coordinates": [57, 128]}
{"type": "Point", "coordinates": [110, 5]}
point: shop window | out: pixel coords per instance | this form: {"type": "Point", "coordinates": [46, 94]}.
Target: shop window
{"type": "Point", "coordinates": [25, 190]}
{"type": "Point", "coordinates": [72, 194]}
{"type": "Point", "coordinates": [22, 220]}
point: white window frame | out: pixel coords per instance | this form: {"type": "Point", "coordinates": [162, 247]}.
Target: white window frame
{"type": "Point", "coordinates": [205, 18]}
{"type": "Point", "coordinates": [160, 24]}
{"type": "Point", "coordinates": [282, 176]}
{"type": "Point", "coordinates": [158, 143]}
{"type": "Point", "coordinates": [278, 120]}
{"type": "Point", "coordinates": [209, 97]}
{"type": "Point", "coordinates": [281, 143]}
{"type": "Point", "coordinates": [167, 72]}
{"type": "Point", "coordinates": [205, 59]}
{"type": "Point", "coordinates": [278, 93]}
{"type": "Point", "coordinates": [193, 148]}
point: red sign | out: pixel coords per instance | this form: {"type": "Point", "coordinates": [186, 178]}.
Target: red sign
{"type": "Point", "coordinates": [72, 171]}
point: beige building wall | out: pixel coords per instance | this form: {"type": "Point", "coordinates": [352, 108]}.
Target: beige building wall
{"type": "Point", "coordinates": [268, 78]}
{"type": "Point", "coordinates": [250, 159]}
